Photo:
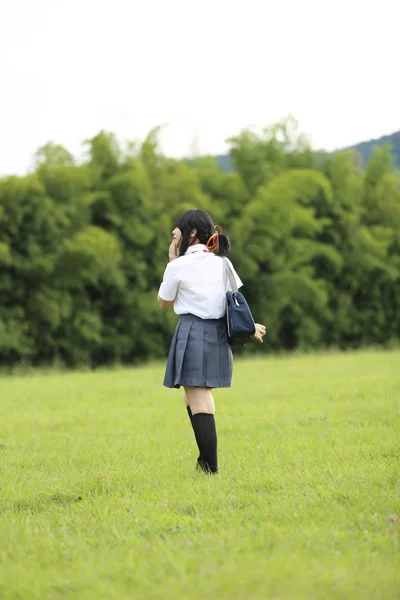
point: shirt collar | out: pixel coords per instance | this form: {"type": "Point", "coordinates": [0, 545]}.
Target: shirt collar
{"type": "Point", "coordinates": [196, 248]}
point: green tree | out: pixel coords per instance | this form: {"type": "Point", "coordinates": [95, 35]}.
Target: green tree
{"type": "Point", "coordinates": [260, 158]}
{"type": "Point", "coordinates": [278, 233]}
{"type": "Point", "coordinates": [83, 246]}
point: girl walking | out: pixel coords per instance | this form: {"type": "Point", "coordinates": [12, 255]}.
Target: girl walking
{"type": "Point", "coordinates": [200, 357]}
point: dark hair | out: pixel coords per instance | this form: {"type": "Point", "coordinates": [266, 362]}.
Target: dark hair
{"type": "Point", "coordinates": [204, 225]}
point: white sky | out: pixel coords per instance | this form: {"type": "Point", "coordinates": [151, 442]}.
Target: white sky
{"type": "Point", "coordinates": [207, 68]}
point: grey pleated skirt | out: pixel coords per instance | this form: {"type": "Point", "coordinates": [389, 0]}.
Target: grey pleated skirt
{"type": "Point", "coordinates": [200, 354]}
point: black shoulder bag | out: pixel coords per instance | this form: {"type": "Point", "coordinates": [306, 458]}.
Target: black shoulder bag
{"type": "Point", "coordinates": [239, 320]}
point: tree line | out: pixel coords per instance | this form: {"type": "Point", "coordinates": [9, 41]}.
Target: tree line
{"type": "Point", "coordinates": [83, 246]}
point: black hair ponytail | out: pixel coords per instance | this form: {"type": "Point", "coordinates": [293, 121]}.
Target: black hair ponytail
{"type": "Point", "coordinates": [224, 245]}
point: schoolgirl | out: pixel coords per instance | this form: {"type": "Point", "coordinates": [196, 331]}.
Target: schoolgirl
{"type": "Point", "coordinates": [200, 357]}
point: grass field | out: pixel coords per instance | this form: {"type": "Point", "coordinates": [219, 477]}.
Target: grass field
{"type": "Point", "coordinates": [99, 497]}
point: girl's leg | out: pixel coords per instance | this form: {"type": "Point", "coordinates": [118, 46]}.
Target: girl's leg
{"type": "Point", "coordinates": [201, 408]}
{"type": "Point", "coordinates": [189, 412]}
{"type": "Point", "coordinates": [200, 400]}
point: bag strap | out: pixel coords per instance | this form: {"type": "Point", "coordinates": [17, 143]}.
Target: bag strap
{"type": "Point", "coordinates": [228, 275]}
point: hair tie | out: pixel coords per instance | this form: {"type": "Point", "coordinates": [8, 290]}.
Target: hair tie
{"type": "Point", "coordinates": [213, 240]}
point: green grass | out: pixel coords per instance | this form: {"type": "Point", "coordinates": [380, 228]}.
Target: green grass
{"type": "Point", "coordinates": [99, 497]}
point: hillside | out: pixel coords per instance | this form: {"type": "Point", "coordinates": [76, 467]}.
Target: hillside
{"type": "Point", "coordinates": [364, 148]}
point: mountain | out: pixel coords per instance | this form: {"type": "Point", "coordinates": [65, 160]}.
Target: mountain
{"type": "Point", "coordinates": [364, 148]}
{"type": "Point", "coordinates": [225, 163]}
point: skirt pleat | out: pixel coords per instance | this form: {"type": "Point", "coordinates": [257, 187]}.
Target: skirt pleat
{"type": "Point", "coordinates": [200, 354]}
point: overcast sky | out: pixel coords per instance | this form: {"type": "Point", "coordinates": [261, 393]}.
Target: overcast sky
{"type": "Point", "coordinates": [207, 68]}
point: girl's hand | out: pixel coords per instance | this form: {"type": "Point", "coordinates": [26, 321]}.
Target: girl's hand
{"type": "Point", "coordinates": [173, 250]}
{"type": "Point", "coordinates": [260, 332]}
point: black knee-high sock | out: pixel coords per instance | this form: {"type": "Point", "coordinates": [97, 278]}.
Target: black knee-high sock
{"type": "Point", "coordinates": [206, 437]}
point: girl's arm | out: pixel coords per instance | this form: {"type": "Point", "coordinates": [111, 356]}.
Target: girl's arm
{"type": "Point", "coordinates": [169, 285]}
{"type": "Point", "coordinates": [164, 303]}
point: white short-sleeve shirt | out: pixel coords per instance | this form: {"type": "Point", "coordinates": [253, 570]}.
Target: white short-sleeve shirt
{"type": "Point", "coordinates": [197, 284]}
